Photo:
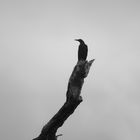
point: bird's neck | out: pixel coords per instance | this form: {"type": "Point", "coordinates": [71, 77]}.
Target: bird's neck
{"type": "Point", "coordinates": [82, 42]}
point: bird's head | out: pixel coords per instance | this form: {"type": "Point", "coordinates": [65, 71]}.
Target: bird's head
{"type": "Point", "coordinates": [80, 40]}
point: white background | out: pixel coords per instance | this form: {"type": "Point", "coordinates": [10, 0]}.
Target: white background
{"type": "Point", "coordinates": [37, 56]}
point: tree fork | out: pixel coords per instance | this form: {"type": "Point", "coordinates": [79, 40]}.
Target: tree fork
{"type": "Point", "coordinates": [73, 99]}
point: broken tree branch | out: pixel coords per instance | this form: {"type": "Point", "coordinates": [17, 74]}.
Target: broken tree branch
{"type": "Point", "coordinates": [73, 99]}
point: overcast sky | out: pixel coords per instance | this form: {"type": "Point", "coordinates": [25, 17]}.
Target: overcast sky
{"type": "Point", "coordinates": [37, 56]}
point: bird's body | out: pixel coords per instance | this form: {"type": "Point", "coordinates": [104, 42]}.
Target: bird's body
{"type": "Point", "coordinates": [82, 50]}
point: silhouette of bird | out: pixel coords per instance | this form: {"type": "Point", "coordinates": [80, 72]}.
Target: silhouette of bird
{"type": "Point", "coordinates": [83, 50]}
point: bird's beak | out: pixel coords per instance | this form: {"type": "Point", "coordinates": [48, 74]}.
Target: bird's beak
{"type": "Point", "coordinates": [76, 40]}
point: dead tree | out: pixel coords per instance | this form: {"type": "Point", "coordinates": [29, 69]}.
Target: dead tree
{"type": "Point", "coordinates": [73, 99]}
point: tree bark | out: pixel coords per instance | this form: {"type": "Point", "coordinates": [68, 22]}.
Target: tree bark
{"type": "Point", "coordinates": [73, 99]}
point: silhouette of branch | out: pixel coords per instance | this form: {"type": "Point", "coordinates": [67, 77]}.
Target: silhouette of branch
{"type": "Point", "coordinates": [73, 99]}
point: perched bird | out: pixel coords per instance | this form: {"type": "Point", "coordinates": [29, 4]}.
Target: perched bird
{"type": "Point", "coordinates": [83, 50]}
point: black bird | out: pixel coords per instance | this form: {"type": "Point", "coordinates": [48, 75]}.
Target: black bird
{"type": "Point", "coordinates": [82, 51]}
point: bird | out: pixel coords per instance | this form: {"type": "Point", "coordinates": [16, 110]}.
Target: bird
{"type": "Point", "coordinates": [82, 50]}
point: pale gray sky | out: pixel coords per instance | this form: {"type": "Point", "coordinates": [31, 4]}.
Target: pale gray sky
{"type": "Point", "coordinates": [38, 53]}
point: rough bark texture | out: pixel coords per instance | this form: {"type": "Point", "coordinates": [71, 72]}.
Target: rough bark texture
{"type": "Point", "coordinates": [73, 99]}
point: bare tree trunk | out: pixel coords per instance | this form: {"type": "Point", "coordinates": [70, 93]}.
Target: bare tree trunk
{"type": "Point", "coordinates": [73, 99]}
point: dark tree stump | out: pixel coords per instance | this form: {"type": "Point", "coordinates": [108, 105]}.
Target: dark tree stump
{"type": "Point", "coordinates": [73, 99]}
